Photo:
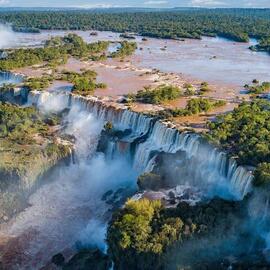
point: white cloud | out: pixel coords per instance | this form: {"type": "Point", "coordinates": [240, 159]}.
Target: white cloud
{"type": "Point", "coordinates": [202, 3]}
{"type": "Point", "coordinates": [158, 2]}
{"type": "Point", "coordinates": [92, 6]}
{"type": "Point", "coordinates": [4, 2]}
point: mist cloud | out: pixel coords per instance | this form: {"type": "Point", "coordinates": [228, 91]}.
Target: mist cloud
{"type": "Point", "coordinates": [7, 36]}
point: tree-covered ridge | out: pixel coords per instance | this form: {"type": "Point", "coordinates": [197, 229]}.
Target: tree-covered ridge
{"type": "Point", "coordinates": [237, 24]}
{"type": "Point", "coordinates": [245, 132]}
{"type": "Point", "coordinates": [24, 135]}
{"type": "Point", "coordinates": [19, 124]}
{"type": "Point", "coordinates": [56, 51]}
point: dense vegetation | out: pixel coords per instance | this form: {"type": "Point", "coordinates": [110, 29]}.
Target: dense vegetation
{"type": "Point", "coordinates": [257, 88]}
{"type": "Point", "coordinates": [237, 24]}
{"type": "Point", "coordinates": [199, 105]}
{"type": "Point", "coordinates": [143, 233]}
{"type": "Point", "coordinates": [19, 125]}
{"type": "Point", "coordinates": [245, 133]}
{"type": "Point", "coordinates": [83, 83]}
{"type": "Point", "coordinates": [194, 106]}
{"type": "Point", "coordinates": [56, 51]}
{"type": "Point", "coordinates": [126, 49]}
{"type": "Point", "coordinates": [38, 83]}
{"type": "Point", "coordinates": [158, 95]}
{"type": "Point", "coordinates": [139, 229]}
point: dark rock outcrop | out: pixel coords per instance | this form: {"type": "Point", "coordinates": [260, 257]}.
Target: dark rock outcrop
{"type": "Point", "coordinates": [88, 259]}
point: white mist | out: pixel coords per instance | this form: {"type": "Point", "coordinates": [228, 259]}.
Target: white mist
{"type": "Point", "coordinates": [8, 37]}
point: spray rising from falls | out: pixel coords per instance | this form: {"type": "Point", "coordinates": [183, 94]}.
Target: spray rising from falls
{"type": "Point", "coordinates": [69, 207]}
{"type": "Point", "coordinates": [10, 78]}
{"type": "Point", "coordinates": [8, 37]}
{"type": "Point", "coordinates": [205, 166]}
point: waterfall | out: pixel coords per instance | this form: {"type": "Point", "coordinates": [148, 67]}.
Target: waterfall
{"type": "Point", "coordinates": [47, 101]}
{"type": "Point", "coordinates": [10, 78]}
{"type": "Point", "coordinates": [208, 164]}
{"type": "Point", "coordinates": [205, 165]}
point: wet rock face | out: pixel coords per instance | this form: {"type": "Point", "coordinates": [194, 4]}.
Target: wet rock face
{"type": "Point", "coordinates": [58, 259]}
{"type": "Point", "coordinates": [169, 171]}
{"type": "Point", "coordinates": [14, 95]}
{"type": "Point", "coordinates": [151, 181]}
{"type": "Point", "coordinates": [88, 259]}
{"type": "Point", "coordinates": [110, 135]}
{"type": "Point", "coordinates": [8, 178]}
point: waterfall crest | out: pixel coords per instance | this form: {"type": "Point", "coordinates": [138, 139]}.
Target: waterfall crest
{"type": "Point", "coordinates": [10, 78]}
{"type": "Point", "coordinates": [207, 165]}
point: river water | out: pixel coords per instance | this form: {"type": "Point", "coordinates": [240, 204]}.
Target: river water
{"type": "Point", "coordinates": [217, 60]}
{"type": "Point", "coordinates": [59, 212]}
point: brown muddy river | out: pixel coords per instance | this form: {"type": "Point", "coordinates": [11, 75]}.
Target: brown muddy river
{"type": "Point", "coordinates": [216, 60]}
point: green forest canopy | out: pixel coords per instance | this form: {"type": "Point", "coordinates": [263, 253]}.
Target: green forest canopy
{"type": "Point", "coordinates": [236, 24]}
{"type": "Point", "coordinates": [56, 51]}
{"type": "Point", "coordinates": [245, 133]}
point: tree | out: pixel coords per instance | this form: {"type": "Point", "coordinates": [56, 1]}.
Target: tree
{"type": "Point", "coordinates": [262, 175]}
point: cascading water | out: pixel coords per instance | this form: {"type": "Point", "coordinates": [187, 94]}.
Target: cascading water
{"type": "Point", "coordinates": [208, 166]}
{"type": "Point", "coordinates": [49, 102]}
{"type": "Point", "coordinates": [10, 78]}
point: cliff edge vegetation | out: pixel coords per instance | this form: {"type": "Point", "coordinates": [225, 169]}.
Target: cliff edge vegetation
{"type": "Point", "coordinates": [29, 148]}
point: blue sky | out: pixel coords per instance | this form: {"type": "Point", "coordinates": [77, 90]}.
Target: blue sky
{"type": "Point", "coordinates": [134, 3]}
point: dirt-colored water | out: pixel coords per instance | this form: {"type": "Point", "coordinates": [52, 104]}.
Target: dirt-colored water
{"type": "Point", "coordinates": [216, 60]}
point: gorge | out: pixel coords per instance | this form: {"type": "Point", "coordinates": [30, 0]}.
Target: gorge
{"type": "Point", "coordinates": [135, 143]}
{"type": "Point", "coordinates": [120, 151]}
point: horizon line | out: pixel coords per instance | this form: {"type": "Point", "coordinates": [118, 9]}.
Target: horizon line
{"type": "Point", "coordinates": [125, 7]}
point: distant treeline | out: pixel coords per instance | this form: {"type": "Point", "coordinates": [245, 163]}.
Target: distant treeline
{"type": "Point", "coordinates": [236, 24]}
